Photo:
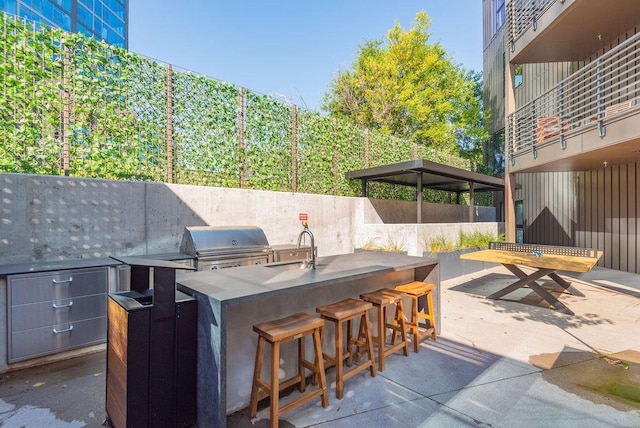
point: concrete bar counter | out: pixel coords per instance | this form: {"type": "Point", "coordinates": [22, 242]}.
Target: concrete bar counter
{"type": "Point", "coordinates": [231, 301]}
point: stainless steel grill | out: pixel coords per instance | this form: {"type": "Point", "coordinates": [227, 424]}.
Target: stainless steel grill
{"type": "Point", "coordinates": [219, 247]}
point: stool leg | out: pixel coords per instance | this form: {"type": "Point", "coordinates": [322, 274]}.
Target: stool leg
{"type": "Point", "coordinates": [367, 331]}
{"type": "Point", "coordinates": [257, 373]}
{"type": "Point", "coordinates": [381, 336]}
{"type": "Point", "coordinates": [275, 384]}
{"type": "Point", "coordinates": [301, 357]}
{"type": "Point", "coordinates": [317, 344]}
{"type": "Point", "coordinates": [403, 327]}
{"type": "Point", "coordinates": [432, 316]}
{"type": "Point", "coordinates": [339, 361]}
{"type": "Point", "coordinates": [414, 324]}
{"type": "Point", "coordinates": [348, 348]}
{"type": "Point", "coordinates": [361, 336]}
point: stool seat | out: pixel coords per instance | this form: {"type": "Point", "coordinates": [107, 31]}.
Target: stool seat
{"type": "Point", "coordinates": [277, 332]}
{"type": "Point", "coordinates": [344, 309]}
{"type": "Point", "coordinates": [284, 328]}
{"type": "Point", "coordinates": [416, 290]}
{"type": "Point", "coordinates": [348, 310]}
{"type": "Point", "coordinates": [381, 299]}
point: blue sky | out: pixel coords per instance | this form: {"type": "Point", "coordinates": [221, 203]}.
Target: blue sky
{"type": "Point", "coordinates": [290, 48]}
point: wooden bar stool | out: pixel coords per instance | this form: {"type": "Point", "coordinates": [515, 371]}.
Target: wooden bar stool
{"type": "Point", "coordinates": [382, 299]}
{"type": "Point", "coordinates": [294, 327]}
{"type": "Point", "coordinates": [346, 311]}
{"type": "Point", "coordinates": [415, 290]}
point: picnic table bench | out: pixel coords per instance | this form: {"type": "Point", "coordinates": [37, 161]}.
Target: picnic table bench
{"type": "Point", "coordinates": [545, 259]}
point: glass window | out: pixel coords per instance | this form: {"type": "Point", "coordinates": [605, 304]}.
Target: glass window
{"type": "Point", "coordinates": [99, 30]}
{"type": "Point", "coordinates": [8, 6]}
{"type": "Point", "coordinates": [518, 76]}
{"type": "Point", "coordinates": [87, 3]}
{"type": "Point", "coordinates": [498, 7]}
{"type": "Point", "coordinates": [85, 16]}
{"type": "Point", "coordinates": [116, 7]}
{"type": "Point", "coordinates": [97, 9]}
{"type": "Point", "coordinates": [84, 30]}
{"type": "Point", "coordinates": [65, 4]}
{"type": "Point", "coordinates": [114, 39]}
{"type": "Point", "coordinates": [113, 22]}
{"type": "Point", "coordinates": [519, 222]}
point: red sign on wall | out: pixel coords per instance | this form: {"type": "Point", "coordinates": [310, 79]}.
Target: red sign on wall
{"type": "Point", "coordinates": [303, 217]}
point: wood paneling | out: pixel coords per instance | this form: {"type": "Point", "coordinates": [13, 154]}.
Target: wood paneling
{"type": "Point", "coordinates": [595, 209]}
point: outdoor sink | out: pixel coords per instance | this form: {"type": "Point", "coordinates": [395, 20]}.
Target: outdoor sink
{"type": "Point", "coordinates": [295, 265]}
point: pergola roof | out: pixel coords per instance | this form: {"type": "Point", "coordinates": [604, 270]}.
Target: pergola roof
{"type": "Point", "coordinates": [427, 174]}
{"type": "Point", "coordinates": [421, 174]}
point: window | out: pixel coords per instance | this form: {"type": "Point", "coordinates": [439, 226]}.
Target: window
{"type": "Point", "coordinates": [498, 7]}
{"type": "Point", "coordinates": [519, 222]}
{"type": "Point", "coordinates": [518, 79]}
{"type": "Point", "coordinates": [84, 16]}
{"type": "Point", "coordinates": [8, 6]}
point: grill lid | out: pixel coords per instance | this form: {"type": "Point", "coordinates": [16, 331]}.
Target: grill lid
{"type": "Point", "coordinates": [206, 240]}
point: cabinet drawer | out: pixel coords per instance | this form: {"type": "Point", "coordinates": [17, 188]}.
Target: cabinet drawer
{"type": "Point", "coordinates": [56, 286]}
{"type": "Point", "coordinates": [46, 340]}
{"type": "Point", "coordinates": [43, 314]}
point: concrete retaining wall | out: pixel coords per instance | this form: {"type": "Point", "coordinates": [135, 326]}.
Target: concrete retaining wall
{"type": "Point", "coordinates": [46, 218]}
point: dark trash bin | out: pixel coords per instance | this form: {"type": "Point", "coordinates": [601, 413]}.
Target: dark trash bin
{"type": "Point", "coordinates": [151, 349]}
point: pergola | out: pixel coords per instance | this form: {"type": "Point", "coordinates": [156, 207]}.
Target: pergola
{"type": "Point", "coordinates": [424, 174]}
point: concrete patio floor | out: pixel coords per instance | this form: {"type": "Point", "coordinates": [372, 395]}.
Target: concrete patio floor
{"type": "Point", "coordinates": [499, 363]}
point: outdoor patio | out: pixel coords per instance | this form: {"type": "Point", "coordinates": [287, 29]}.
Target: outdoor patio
{"type": "Point", "coordinates": [496, 363]}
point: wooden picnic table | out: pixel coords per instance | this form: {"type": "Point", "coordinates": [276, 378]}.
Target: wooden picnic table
{"type": "Point", "coordinates": [545, 260]}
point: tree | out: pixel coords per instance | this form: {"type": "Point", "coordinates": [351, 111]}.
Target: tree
{"type": "Point", "coordinates": [411, 89]}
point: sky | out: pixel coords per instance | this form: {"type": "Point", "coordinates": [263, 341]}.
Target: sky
{"type": "Point", "coordinates": [291, 49]}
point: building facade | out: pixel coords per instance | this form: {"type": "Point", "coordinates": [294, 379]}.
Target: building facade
{"type": "Point", "coordinates": [562, 83]}
{"type": "Point", "coordinates": [103, 19]}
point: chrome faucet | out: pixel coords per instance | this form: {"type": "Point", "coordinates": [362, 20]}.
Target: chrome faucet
{"type": "Point", "coordinates": [308, 263]}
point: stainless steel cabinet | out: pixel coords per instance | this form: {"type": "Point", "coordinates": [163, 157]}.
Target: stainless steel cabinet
{"type": "Point", "coordinates": [56, 311]}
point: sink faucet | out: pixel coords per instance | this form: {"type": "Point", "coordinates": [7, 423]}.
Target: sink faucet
{"type": "Point", "coordinates": [308, 263]}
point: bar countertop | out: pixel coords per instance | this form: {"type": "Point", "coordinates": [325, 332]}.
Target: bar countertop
{"type": "Point", "coordinates": [230, 286]}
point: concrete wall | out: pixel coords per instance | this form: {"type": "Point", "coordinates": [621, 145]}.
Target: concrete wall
{"type": "Point", "coordinates": [46, 218]}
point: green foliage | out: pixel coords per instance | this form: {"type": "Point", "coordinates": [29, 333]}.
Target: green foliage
{"type": "Point", "coordinates": [409, 88]}
{"type": "Point", "coordinates": [205, 131]}
{"type": "Point", "coordinates": [475, 239]}
{"type": "Point", "coordinates": [72, 105]}
{"type": "Point", "coordinates": [391, 245]}
{"type": "Point", "coordinates": [267, 145]}
{"type": "Point", "coordinates": [439, 244]}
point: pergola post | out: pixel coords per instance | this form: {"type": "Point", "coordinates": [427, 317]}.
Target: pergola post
{"type": "Point", "coordinates": [471, 202]}
{"type": "Point", "coordinates": [419, 197]}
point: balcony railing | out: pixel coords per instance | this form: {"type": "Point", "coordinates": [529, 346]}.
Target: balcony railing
{"type": "Point", "coordinates": [522, 14]}
{"type": "Point", "coordinates": [591, 96]}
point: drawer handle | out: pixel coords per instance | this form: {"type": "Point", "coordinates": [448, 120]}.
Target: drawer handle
{"type": "Point", "coordinates": [64, 330]}
{"type": "Point", "coordinates": [68, 305]}
{"type": "Point", "coordinates": [62, 281]}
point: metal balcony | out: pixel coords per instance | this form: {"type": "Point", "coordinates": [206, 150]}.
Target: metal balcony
{"type": "Point", "coordinates": [589, 118]}
{"type": "Point", "coordinates": [566, 30]}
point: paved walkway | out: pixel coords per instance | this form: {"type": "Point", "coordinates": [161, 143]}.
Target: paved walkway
{"type": "Point", "coordinates": [497, 363]}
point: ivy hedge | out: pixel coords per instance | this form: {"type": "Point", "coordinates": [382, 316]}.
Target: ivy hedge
{"type": "Point", "coordinates": [75, 106]}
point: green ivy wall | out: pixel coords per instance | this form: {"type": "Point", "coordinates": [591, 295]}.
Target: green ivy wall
{"type": "Point", "coordinates": [78, 107]}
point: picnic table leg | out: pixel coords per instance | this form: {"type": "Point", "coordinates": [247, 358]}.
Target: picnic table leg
{"type": "Point", "coordinates": [550, 299]}
{"type": "Point", "coordinates": [530, 280]}
{"type": "Point", "coordinates": [517, 271]}
{"type": "Point", "coordinates": [566, 285]}
{"type": "Point", "coordinates": [527, 280]}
